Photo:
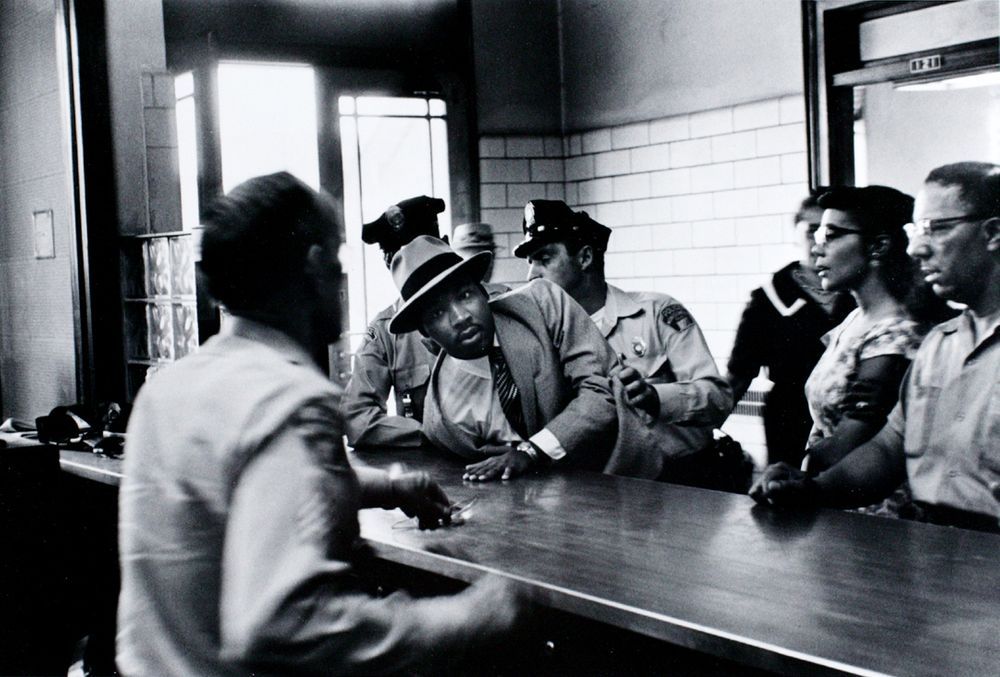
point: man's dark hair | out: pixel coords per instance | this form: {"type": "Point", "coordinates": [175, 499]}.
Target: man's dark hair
{"type": "Point", "coordinates": [809, 204]}
{"type": "Point", "coordinates": [256, 238]}
{"type": "Point", "coordinates": [979, 184]}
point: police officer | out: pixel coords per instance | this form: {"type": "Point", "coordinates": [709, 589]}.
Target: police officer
{"type": "Point", "coordinates": [401, 362]}
{"type": "Point", "coordinates": [668, 373]}
{"type": "Point", "coordinates": [468, 239]}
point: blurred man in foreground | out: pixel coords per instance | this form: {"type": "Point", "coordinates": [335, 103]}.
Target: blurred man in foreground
{"type": "Point", "coordinates": [239, 530]}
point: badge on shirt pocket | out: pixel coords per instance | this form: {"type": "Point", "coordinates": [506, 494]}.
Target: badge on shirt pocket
{"type": "Point", "coordinates": [639, 346]}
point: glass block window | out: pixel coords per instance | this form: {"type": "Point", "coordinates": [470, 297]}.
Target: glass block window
{"type": "Point", "coordinates": [161, 314]}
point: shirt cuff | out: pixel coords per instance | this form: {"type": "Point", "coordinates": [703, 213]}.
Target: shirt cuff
{"type": "Point", "coordinates": [673, 402]}
{"type": "Point", "coordinates": [548, 443]}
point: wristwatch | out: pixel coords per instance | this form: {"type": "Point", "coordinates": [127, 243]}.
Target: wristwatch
{"type": "Point", "coordinates": [531, 450]}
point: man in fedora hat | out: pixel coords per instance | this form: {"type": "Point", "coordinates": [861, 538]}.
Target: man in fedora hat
{"type": "Point", "coordinates": [471, 238]}
{"type": "Point", "coordinates": [386, 362]}
{"type": "Point", "coordinates": [669, 373]}
{"type": "Point", "coordinates": [239, 507]}
{"type": "Point", "coordinates": [522, 379]}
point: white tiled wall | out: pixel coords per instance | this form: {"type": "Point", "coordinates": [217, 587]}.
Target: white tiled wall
{"type": "Point", "coordinates": [700, 204]}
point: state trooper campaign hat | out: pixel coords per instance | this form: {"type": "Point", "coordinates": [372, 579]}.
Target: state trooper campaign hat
{"type": "Point", "coordinates": [402, 222]}
{"type": "Point", "coordinates": [547, 221]}
{"type": "Point", "coordinates": [420, 267]}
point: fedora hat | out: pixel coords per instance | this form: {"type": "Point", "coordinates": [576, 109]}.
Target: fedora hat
{"type": "Point", "coordinates": [423, 265]}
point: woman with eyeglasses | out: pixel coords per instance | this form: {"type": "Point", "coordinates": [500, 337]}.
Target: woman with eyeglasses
{"type": "Point", "coordinates": [780, 330]}
{"type": "Point", "coordinates": [861, 248]}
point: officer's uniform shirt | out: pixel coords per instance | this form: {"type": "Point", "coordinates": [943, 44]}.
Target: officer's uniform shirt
{"type": "Point", "coordinates": [657, 336]}
{"type": "Point", "coordinates": [384, 362]}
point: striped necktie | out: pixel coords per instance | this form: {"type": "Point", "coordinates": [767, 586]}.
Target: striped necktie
{"type": "Point", "coordinates": [510, 398]}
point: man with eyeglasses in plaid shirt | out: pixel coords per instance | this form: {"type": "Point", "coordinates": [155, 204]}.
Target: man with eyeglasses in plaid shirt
{"type": "Point", "coordinates": [944, 434]}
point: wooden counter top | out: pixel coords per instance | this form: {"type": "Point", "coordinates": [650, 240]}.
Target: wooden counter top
{"type": "Point", "coordinates": [826, 592]}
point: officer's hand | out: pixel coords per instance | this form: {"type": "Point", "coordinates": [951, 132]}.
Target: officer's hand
{"type": "Point", "coordinates": [638, 391]}
{"type": "Point", "coordinates": [504, 467]}
{"type": "Point", "coordinates": [785, 486]}
{"type": "Point", "coordinates": [417, 495]}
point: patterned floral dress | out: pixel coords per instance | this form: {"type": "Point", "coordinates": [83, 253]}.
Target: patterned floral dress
{"type": "Point", "coordinates": [827, 386]}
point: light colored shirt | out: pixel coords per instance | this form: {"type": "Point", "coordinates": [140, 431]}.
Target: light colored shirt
{"type": "Point", "coordinates": [847, 345]}
{"type": "Point", "coordinates": [470, 404]}
{"type": "Point", "coordinates": [657, 336]}
{"type": "Point", "coordinates": [947, 421]}
{"type": "Point", "coordinates": [238, 527]}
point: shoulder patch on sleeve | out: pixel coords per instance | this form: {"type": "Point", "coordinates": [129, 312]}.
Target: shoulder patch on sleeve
{"type": "Point", "coordinates": [676, 316]}
{"type": "Point", "coordinates": [370, 333]}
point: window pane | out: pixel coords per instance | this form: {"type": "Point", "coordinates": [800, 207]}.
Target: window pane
{"type": "Point", "coordinates": [346, 105]}
{"type": "Point", "coordinates": [386, 105]}
{"type": "Point", "coordinates": [267, 120]}
{"type": "Point", "coordinates": [439, 168]}
{"type": "Point", "coordinates": [184, 85]}
{"type": "Point", "coordinates": [437, 107]}
{"type": "Point", "coordinates": [187, 157]}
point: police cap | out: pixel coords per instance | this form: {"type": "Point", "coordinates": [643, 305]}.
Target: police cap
{"type": "Point", "coordinates": [402, 222]}
{"type": "Point", "coordinates": [547, 221]}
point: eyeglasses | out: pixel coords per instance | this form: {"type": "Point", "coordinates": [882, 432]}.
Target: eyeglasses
{"type": "Point", "coordinates": [830, 233]}
{"type": "Point", "coordinates": [936, 227]}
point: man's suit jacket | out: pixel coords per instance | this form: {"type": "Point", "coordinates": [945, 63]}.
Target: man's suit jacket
{"type": "Point", "coordinates": [560, 363]}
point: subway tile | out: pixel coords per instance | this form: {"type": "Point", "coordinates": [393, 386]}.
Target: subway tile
{"type": "Point", "coordinates": [757, 114]}
{"type": "Point", "coordinates": [696, 207]}
{"type": "Point", "coordinates": [734, 146]}
{"type": "Point", "coordinates": [649, 158]}
{"type": "Point", "coordinates": [793, 109]}
{"type": "Point", "coordinates": [503, 171]}
{"type": "Point", "coordinates": [707, 178]}
{"type": "Point", "coordinates": [704, 315]}
{"type": "Point", "coordinates": [630, 136]}
{"type": "Point", "coordinates": [669, 129]}
{"type": "Point", "coordinates": [711, 122]}
{"type": "Point", "coordinates": [548, 170]}
{"type": "Point", "coordinates": [518, 194]}
{"type": "Point", "coordinates": [611, 163]}
{"type": "Point", "coordinates": [780, 199]}
{"type": "Point", "coordinates": [492, 195]}
{"type": "Point", "coordinates": [670, 182]}
{"type": "Point", "coordinates": [636, 284]}
{"type": "Point", "coordinates": [575, 145]}
{"type": "Point", "coordinates": [695, 262]}
{"type": "Point", "coordinates": [619, 264]}
{"type": "Point", "coordinates": [596, 141]}
{"type": "Point", "coordinates": [649, 264]}
{"type": "Point", "coordinates": [672, 235]}
{"type": "Point", "coordinates": [753, 230]}
{"type": "Point", "coordinates": [572, 194]}
{"type": "Point", "coordinates": [794, 168]}
{"type": "Point", "coordinates": [511, 271]}
{"type": "Point", "coordinates": [775, 256]}
{"type": "Point", "coordinates": [631, 239]}
{"type": "Point", "coordinates": [739, 202]}
{"type": "Point", "coordinates": [554, 147]}
{"type": "Point", "coordinates": [580, 167]}
{"type": "Point", "coordinates": [737, 259]}
{"type": "Point", "coordinates": [784, 139]}
{"type": "Point", "coordinates": [525, 146]}
{"type": "Point", "coordinates": [503, 220]}
{"type": "Point", "coordinates": [596, 190]}
{"type": "Point", "coordinates": [714, 233]}
{"type": "Point", "coordinates": [656, 210]}
{"type": "Point", "coordinates": [631, 187]}
{"type": "Point", "coordinates": [614, 214]}
{"type": "Point", "coordinates": [757, 172]}
{"type": "Point", "coordinates": [555, 191]}
{"type": "Point", "coordinates": [491, 146]}
{"type": "Point", "coordinates": [693, 152]}
{"type": "Point", "coordinates": [679, 287]}
{"type": "Point", "coordinates": [163, 90]}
